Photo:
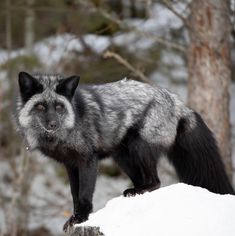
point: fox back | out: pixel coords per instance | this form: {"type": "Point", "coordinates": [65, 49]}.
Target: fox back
{"type": "Point", "coordinates": [51, 109]}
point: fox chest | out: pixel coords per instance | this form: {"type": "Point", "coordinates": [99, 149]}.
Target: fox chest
{"type": "Point", "coordinates": [64, 155]}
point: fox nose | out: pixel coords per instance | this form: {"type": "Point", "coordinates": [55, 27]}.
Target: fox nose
{"type": "Point", "coordinates": [52, 125]}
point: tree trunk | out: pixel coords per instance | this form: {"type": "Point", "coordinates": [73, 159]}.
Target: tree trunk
{"type": "Point", "coordinates": [8, 27]}
{"type": "Point", "coordinates": [29, 27]}
{"type": "Point", "coordinates": [209, 69]}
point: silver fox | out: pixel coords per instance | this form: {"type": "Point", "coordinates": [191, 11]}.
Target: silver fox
{"type": "Point", "coordinates": [131, 121]}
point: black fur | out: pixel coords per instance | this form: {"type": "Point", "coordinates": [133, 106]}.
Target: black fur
{"type": "Point", "coordinates": [29, 86]}
{"type": "Point", "coordinates": [67, 87]}
{"type": "Point", "coordinates": [138, 160]}
{"type": "Point", "coordinates": [196, 157]}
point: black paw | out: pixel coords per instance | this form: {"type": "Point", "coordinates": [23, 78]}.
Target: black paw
{"type": "Point", "coordinates": [74, 219]}
{"type": "Point", "coordinates": [130, 192]}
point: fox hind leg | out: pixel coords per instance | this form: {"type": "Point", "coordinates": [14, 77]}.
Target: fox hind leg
{"type": "Point", "coordinates": [138, 160]}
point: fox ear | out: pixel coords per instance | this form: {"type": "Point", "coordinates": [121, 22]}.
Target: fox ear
{"type": "Point", "coordinates": [29, 86]}
{"type": "Point", "coordinates": [67, 87]}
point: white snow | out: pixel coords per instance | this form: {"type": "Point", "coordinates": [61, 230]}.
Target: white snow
{"type": "Point", "coordinates": [51, 50]}
{"type": "Point", "coordinates": [97, 43]}
{"type": "Point", "coordinates": [165, 18]}
{"type": "Point", "coordinates": [56, 47]}
{"type": "Point", "coordinates": [178, 209]}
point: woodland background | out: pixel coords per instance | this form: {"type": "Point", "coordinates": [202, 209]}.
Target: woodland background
{"type": "Point", "coordinates": [186, 46]}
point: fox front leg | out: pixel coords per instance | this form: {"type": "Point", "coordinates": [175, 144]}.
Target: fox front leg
{"type": "Point", "coordinates": [82, 182]}
{"type": "Point", "coordinates": [73, 174]}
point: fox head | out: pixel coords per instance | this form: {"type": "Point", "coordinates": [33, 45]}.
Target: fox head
{"type": "Point", "coordinates": [45, 111]}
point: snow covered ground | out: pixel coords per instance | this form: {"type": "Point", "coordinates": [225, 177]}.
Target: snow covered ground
{"type": "Point", "coordinates": [178, 210]}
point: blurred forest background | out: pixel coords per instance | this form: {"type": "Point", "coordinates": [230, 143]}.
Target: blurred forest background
{"type": "Point", "coordinates": [186, 46]}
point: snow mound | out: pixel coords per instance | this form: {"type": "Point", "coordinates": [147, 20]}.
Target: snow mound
{"type": "Point", "coordinates": [178, 209]}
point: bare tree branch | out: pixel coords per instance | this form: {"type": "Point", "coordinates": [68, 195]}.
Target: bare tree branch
{"type": "Point", "coordinates": [112, 17]}
{"type": "Point", "coordinates": [163, 41]}
{"type": "Point", "coordinates": [121, 60]}
{"type": "Point", "coordinates": [168, 4]}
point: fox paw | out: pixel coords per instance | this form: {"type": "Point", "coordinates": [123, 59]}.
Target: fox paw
{"type": "Point", "coordinates": [74, 219]}
{"type": "Point", "coordinates": [130, 192]}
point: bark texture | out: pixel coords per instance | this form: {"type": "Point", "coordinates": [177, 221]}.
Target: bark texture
{"type": "Point", "coordinates": [29, 26]}
{"type": "Point", "coordinates": [210, 70]}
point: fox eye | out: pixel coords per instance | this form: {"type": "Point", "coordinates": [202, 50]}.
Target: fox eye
{"type": "Point", "coordinates": [59, 107]}
{"type": "Point", "coordinates": [40, 107]}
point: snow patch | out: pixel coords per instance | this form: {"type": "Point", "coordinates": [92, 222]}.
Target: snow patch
{"type": "Point", "coordinates": [179, 209]}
